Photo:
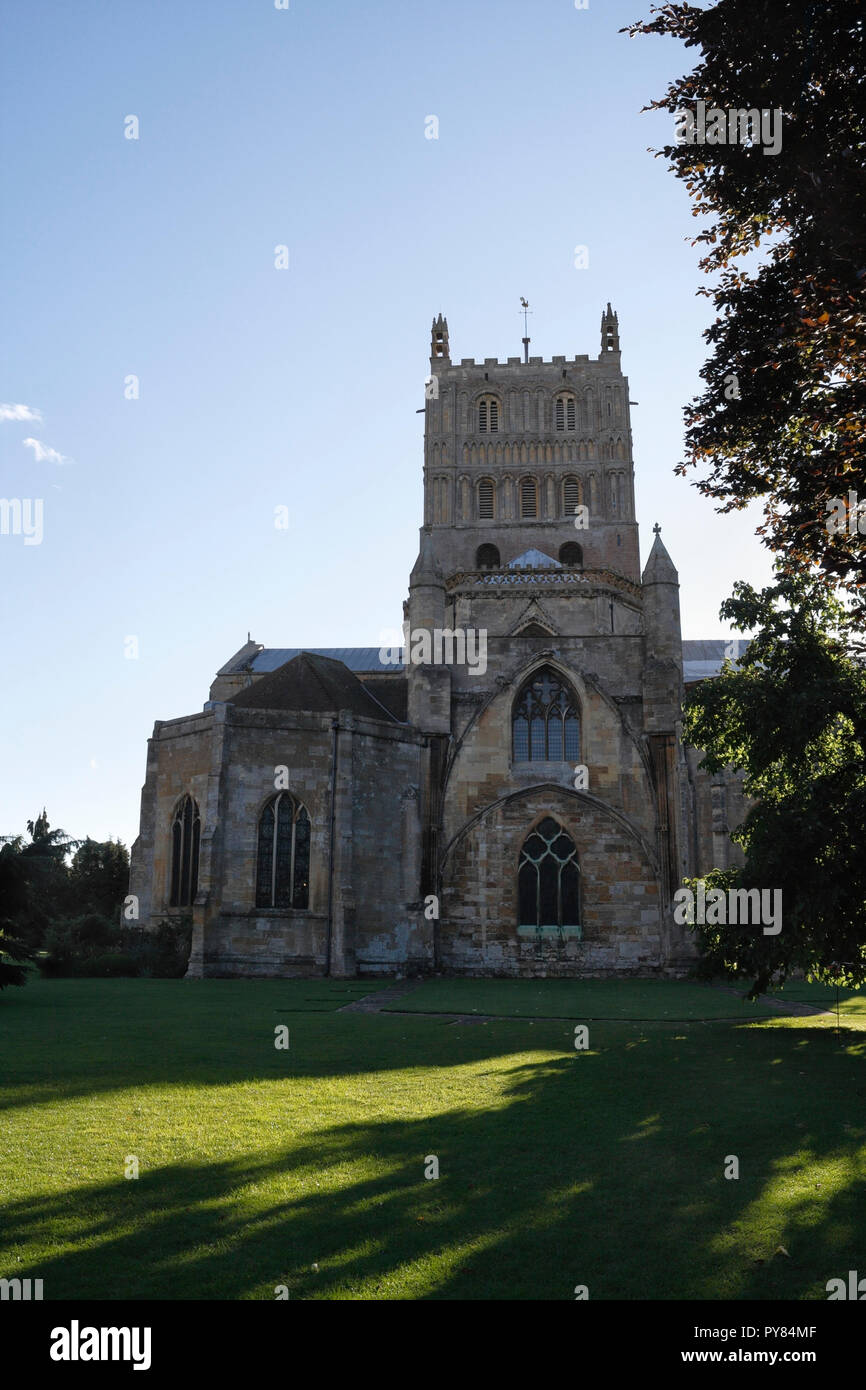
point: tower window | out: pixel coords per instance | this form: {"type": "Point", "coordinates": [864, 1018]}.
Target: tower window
{"type": "Point", "coordinates": [570, 495]}
{"type": "Point", "coordinates": [487, 558]}
{"type": "Point", "coordinates": [528, 497]}
{"type": "Point", "coordinates": [185, 836]}
{"type": "Point", "coordinates": [564, 413]}
{"type": "Point", "coordinates": [545, 726]}
{"type": "Point", "coordinates": [283, 860]}
{"type": "Point", "coordinates": [571, 555]}
{"type": "Point", "coordinates": [488, 415]}
{"type": "Point", "coordinates": [485, 499]}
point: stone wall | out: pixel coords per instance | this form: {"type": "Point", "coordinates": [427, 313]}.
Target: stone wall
{"type": "Point", "coordinates": [619, 893]}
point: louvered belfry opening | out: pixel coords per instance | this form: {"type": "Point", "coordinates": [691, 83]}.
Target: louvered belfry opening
{"type": "Point", "coordinates": [565, 413]}
{"type": "Point", "coordinates": [528, 497]}
{"type": "Point", "coordinates": [485, 499]}
{"type": "Point", "coordinates": [488, 415]}
{"type": "Point", "coordinates": [570, 496]}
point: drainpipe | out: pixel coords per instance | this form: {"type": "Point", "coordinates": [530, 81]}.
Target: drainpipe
{"type": "Point", "coordinates": [334, 731]}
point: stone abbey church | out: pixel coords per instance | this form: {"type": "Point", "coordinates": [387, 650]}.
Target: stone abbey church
{"type": "Point", "coordinates": [362, 811]}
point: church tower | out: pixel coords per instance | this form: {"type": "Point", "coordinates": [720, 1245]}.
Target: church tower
{"type": "Point", "coordinates": [551, 778]}
{"type": "Point", "coordinates": [511, 450]}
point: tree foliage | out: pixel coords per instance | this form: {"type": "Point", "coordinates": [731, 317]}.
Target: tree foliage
{"type": "Point", "coordinates": [40, 892]}
{"type": "Point", "coordinates": [791, 332]}
{"type": "Point", "coordinates": [792, 715]}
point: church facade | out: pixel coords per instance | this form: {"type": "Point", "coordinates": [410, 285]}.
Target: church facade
{"type": "Point", "coordinates": [508, 793]}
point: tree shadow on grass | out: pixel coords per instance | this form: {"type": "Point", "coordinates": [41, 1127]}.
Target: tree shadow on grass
{"type": "Point", "coordinates": [604, 1168]}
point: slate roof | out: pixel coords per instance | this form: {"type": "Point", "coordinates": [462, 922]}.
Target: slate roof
{"type": "Point", "coordinates": [312, 682]}
{"type": "Point", "coordinates": [356, 658]}
{"type": "Point", "coordinates": [700, 659]}
{"type": "Point", "coordinates": [534, 559]}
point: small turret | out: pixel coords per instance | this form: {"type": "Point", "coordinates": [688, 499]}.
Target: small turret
{"type": "Point", "coordinates": [429, 685]}
{"type": "Point", "coordinates": [659, 568]}
{"type": "Point", "coordinates": [609, 331]}
{"type": "Point", "coordinates": [663, 666]}
{"type": "Point", "coordinates": [439, 349]}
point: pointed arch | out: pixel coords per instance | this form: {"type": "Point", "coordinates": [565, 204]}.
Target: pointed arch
{"type": "Point", "coordinates": [283, 854]}
{"type": "Point", "coordinates": [185, 841]}
{"type": "Point", "coordinates": [548, 878]}
{"type": "Point", "coordinates": [545, 720]}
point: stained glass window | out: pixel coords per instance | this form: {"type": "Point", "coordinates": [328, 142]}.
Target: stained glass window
{"type": "Point", "coordinates": [548, 878]}
{"type": "Point", "coordinates": [185, 836]}
{"type": "Point", "coordinates": [283, 858]}
{"type": "Point", "coordinates": [546, 723]}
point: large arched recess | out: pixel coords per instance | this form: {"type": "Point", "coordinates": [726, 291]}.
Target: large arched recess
{"type": "Point", "coordinates": [620, 924]}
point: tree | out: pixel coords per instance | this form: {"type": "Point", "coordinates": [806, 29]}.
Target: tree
{"type": "Point", "coordinates": [35, 873]}
{"type": "Point", "coordinates": [792, 714]}
{"type": "Point", "coordinates": [783, 414]}
{"type": "Point", "coordinates": [98, 877]}
{"type": "Point", "coordinates": [13, 953]}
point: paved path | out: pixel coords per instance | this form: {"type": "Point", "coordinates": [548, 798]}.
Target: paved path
{"type": "Point", "coordinates": [374, 1003]}
{"type": "Point", "coordinates": [380, 999]}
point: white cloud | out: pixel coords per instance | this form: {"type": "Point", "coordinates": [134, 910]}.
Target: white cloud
{"type": "Point", "coordinates": [41, 452]}
{"type": "Point", "coordinates": [19, 412]}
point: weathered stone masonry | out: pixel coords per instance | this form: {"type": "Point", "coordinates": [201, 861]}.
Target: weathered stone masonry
{"type": "Point", "coordinates": [418, 789]}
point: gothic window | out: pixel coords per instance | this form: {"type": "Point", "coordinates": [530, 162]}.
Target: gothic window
{"type": "Point", "coordinates": [487, 558]}
{"type": "Point", "coordinates": [283, 860]}
{"type": "Point", "coordinates": [571, 555]}
{"type": "Point", "coordinates": [546, 725]}
{"type": "Point", "coordinates": [485, 499]}
{"type": "Point", "coordinates": [548, 878]}
{"type": "Point", "coordinates": [570, 495]}
{"type": "Point", "coordinates": [528, 497]}
{"type": "Point", "coordinates": [185, 836]}
{"type": "Point", "coordinates": [564, 413]}
{"type": "Point", "coordinates": [614, 494]}
{"type": "Point", "coordinates": [488, 415]}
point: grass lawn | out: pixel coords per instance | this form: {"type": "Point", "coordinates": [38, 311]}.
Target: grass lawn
{"type": "Point", "coordinates": [603, 1167]}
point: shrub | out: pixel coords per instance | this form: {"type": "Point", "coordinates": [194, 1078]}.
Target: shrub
{"type": "Point", "coordinates": [112, 964]}
{"type": "Point", "coordinates": [92, 945]}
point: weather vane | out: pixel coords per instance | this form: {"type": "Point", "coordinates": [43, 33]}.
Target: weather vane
{"type": "Point", "coordinates": [525, 309]}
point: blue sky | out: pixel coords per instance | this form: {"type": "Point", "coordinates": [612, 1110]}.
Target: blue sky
{"type": "Point", "coordinates": [262, 387]}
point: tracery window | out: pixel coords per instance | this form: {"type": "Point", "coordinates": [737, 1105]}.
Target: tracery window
{"type": "Point", "coordinates": [283, 860]}
{"type": "Point", "coordinates": [185, 838]}
{"type": "Point", "coordinates": [548, 879]}
{"type": "Point", "coordinates": [546, 723]}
